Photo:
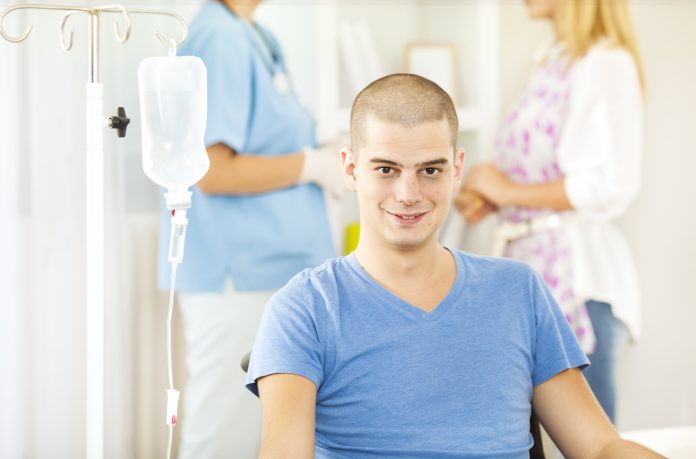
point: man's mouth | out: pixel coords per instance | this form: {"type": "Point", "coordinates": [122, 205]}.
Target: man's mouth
{"type": "Point", "coordinates": [407, 218]}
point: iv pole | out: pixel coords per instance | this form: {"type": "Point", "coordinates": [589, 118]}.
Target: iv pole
{"type": "Point", "coordinates": [94, 192]}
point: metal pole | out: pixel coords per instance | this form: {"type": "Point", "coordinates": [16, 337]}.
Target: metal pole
{"type": "Point", "coordinates": [94, 195]}
{"type": "Point", "coordinates": [94, 199]}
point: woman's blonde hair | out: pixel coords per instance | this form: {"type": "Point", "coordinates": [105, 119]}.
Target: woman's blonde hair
{"type": "Point", "coordinates": [582, 23]}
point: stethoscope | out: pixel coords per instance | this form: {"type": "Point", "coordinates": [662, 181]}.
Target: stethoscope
{"type": "Point", "coordinates": [281, 82]}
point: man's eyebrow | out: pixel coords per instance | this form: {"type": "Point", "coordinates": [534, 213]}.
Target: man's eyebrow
{"type": "Point", "coordinates": [384, 161]}
{"type": "Point", "coordinates": [433, 162]}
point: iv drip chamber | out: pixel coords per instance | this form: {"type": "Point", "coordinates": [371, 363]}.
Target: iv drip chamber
{"type": "Point", "coordinates": [173, 109]}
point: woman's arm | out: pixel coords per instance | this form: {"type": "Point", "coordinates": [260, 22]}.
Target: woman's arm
{"type": "Point", "coordinates": [600, 149]}
{"type": "Point", "coordinates": [231, 173]}
{"type": "Point", "coordinates": [496, 188]}
{"type": "Point", "coordinates": [599, 152]}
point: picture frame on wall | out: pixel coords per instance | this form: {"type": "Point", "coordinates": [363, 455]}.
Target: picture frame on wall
{"type": "Point", "coordinates": [434, 61]}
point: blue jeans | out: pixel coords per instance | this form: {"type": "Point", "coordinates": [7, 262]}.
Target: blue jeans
{"type": "Point", "coordinates": [611, 335]}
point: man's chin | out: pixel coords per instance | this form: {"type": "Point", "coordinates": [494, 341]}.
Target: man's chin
{"type": "Point", "coordinates": [406, 244]}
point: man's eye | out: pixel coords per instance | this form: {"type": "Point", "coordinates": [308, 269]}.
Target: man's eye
{"type": "Point", "coordinates": [385, 170]}
{"type": "Point", "coordinates": [431, 170]}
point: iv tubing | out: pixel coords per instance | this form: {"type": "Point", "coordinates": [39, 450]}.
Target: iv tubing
{"type": "Point", "coordinates": [169, 349]}
{"type": "Point", "coordinates": [177, 239]}
{"type": "Point", "coordinates": [169, 326]}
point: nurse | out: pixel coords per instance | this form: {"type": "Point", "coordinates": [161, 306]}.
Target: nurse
{"type": "Point", "coordinates": [259, 217]}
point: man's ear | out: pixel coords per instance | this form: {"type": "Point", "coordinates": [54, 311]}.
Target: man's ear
{"type": "Point", "coordinates": [349, 166]}
{"type": "Point", "coordinates": [458, 169]}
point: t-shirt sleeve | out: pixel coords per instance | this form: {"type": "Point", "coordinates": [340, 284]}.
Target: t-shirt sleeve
{"type": "Point", "coordinates": [288, 339]}
{"type": "Point", "coordinates": [228, 60]}
{"type": "Point", "coordinates": [555, 348]}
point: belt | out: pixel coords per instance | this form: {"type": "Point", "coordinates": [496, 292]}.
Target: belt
{"type": "Point", "coordinates": [509, 231]}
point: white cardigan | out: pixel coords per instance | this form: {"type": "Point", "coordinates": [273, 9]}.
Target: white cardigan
{"type": "Point", "coordinates": [599, 154]}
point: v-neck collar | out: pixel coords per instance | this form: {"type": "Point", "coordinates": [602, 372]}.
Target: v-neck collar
{"type": "Point", "coordinates": [382, 294]}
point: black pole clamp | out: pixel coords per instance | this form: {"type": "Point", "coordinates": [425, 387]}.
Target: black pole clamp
{"type": "Point", "coordinates": [119, 122]}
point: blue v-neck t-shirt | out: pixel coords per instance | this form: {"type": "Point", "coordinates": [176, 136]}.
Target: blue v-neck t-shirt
{"type": "Point", "coordinates": [396, 381]}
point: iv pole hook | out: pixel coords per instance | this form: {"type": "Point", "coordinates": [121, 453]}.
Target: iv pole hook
{"type": "Point", "coordinates": [7, 36]}
{"type": "Point", "coordinates": [67, 45]}
{"type": "Point", "coordinates": [122, 38]}
{"type": "Point", "coordinates": [26, 32]}
{"type": "Point", "coordinates": [126, 19]}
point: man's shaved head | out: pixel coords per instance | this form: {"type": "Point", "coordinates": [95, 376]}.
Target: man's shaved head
{"type": "Point", "coordinates": [404, 99]}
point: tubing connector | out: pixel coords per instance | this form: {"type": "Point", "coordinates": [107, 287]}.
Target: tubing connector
{"type": "Point", "coordinates": [172, 406]}
{"type": "Point", "coordinates": [177, 236]}
{"type": "Point", "coordinates": [178, 199]}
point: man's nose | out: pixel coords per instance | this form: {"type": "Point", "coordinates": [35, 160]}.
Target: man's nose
{"type": "Point", "coordinates": [408, 189]}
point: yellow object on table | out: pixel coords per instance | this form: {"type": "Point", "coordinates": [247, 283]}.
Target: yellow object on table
{"type": "Point", "coordinates": [352, 237]}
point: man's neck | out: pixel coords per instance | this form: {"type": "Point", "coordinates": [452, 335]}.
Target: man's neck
{"type": "Point", "coordinates": [391, 265]}
{"type": "Point", "coordinates": [244, 10]}
{"type": "Point", "coordinates": [422, 277]}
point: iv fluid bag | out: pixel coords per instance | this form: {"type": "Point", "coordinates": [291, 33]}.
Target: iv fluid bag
{"type": "Point", "coordinates": [173, 109]}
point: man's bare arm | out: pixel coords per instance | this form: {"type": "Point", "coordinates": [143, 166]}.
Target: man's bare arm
{"type": "Point", "coordinates": [571, 415]}
{"type": "Point", "coordinates": [288, 409]}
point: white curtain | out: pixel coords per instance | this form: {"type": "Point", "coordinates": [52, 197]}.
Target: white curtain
{"type": "Point", "coordinates": [42, 247]}
{"type": "Point", "coordinates": [43, 303]}
{"type": "Point", "coordinates": [12, 364]}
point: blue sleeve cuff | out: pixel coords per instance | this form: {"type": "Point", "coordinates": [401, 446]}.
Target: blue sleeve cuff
{"type": "Point", "coordinates": [547, 372]}
{"type": "Point", "coordinates": [261, 369]}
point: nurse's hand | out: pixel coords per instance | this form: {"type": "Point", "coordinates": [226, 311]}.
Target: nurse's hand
{"type": "Point", "coordinates": [322, 166]}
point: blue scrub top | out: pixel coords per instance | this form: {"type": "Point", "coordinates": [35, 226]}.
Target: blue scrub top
{"type": "Point", "coordinates": [260, 240]}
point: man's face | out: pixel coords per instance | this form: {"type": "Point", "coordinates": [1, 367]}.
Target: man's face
{"type": "Point", "coordinates": [404, 179]}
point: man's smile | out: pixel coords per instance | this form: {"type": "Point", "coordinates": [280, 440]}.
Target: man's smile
{"type": "Point", "coordinates": [409, 218]}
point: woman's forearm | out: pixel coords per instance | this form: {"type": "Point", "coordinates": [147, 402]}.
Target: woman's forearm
{"type": "Point", "coordinates": [547, 195]}
{"type": "Point", "coordinates": [231, 173]}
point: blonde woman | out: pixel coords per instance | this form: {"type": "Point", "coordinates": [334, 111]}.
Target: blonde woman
{"type": "Point", "coordinates": [568, 160]}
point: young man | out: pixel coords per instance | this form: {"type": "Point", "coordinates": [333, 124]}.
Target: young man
{"type": "Point", "coordinates": [405, 348]}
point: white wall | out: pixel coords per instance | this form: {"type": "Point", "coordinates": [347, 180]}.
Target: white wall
{"type": "Point", "coordinates": [659, 376]}
{"type": "Point", "coordinates": [657, 379]}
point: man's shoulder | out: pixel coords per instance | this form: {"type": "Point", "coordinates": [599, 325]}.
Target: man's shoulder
{"type": "Point", "coordinates": [493, 266]}
{"type": "Point", "coordinates": [499, 281]}
{"type": "Point", "coordinates": [324, 273]}
{"type": "Point", "coordinates": [312, 283]}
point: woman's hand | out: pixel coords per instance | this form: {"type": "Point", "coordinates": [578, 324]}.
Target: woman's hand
{"type": "Point", "coordinates": [472, 206]}
{"type": "Point", "coordinates": [490, 183]}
